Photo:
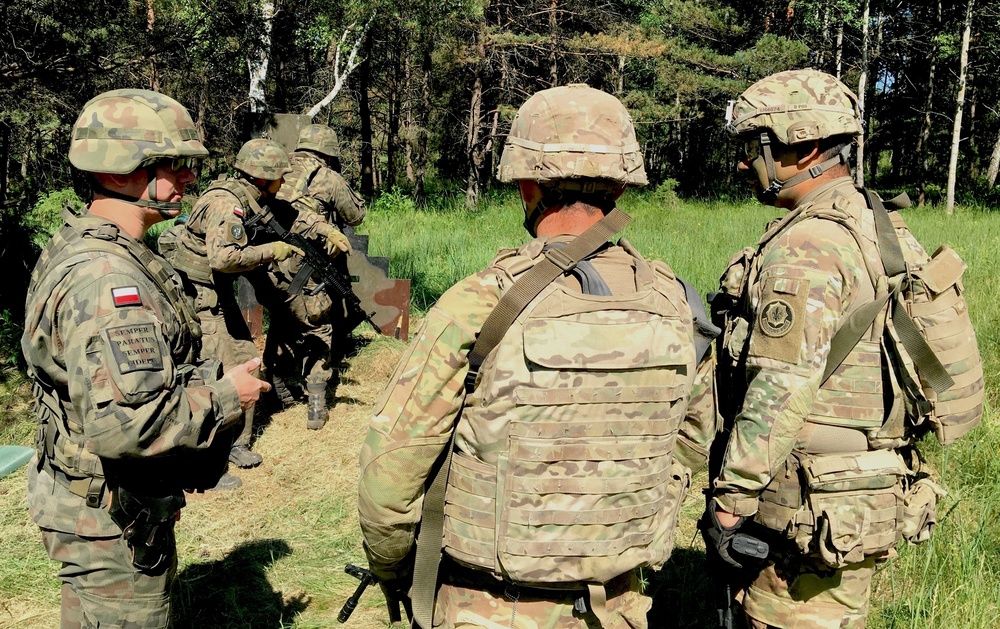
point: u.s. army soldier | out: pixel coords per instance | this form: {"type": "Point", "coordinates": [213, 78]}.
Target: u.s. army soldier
{"type": "Point", "coordinates": [129, 418]}
{"type": "Point", "coordinates": [569, 429]}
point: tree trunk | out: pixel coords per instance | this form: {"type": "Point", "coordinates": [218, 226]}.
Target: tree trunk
{"type": "Point", "coordinates": [971, 134]}
{"type": "Point", "coordinates": [922, 160]}
{"type": "Point", "coordinates": [398, 80]}
{"type": "Point", "coordinates": [5, 161]}
{"type": "Point", "coordinates": [472, 144]}
{"type": "Point", "coordinates": [991, 174]}
{"type": "Point", "coordinates": [839, 54]}
{"type": "Point", "coordinates": [154, 82]}
{"type": "Point", "coordinates": [859, 174]}
{"type": "Point", "coordinates": [554, 37]}
{"type": "Point", "coordinates": [956, 135]}
{"type": "Point", "coordinates": [258, 67]}
{"type": "Point", "coordinates": [420, 156]}
{"type": "Point", "coordinates": [365, 114]}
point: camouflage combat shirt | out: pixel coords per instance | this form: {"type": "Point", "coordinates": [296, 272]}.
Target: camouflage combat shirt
{"type": "Point", "coordinates": [810, 277]}
{"type": "Point", "coordinates": [101, 333]}
{"type": "Point", "coordinates": [338, 202]}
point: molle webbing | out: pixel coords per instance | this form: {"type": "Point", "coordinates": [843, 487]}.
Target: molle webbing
{"type": "Point", "coordinates": [297, 184]}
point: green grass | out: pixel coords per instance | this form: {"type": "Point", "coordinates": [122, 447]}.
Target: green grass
{"type": "Point", "coordinates": [272, 553]}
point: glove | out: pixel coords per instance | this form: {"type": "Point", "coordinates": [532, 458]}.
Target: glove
{"type": "Point", "coordinates": [719, 538]}
{"type": "Point", "coordinates": [337, 243]}
{"type": "Point", "coordinates": [282, 250]}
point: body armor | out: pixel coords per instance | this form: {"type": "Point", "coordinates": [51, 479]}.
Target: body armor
{"type": "Point", "coordinates": [563, 471]}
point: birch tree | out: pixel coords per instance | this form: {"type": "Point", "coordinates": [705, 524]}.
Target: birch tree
{"type": "Point", "coordinates": [258, 66]}
{"type": "Point", "coordinates": [859, 174]}
{"type": "Point", "coordinates": [341, 72]}
{"type": "Point", "coordinates": [956, 135]}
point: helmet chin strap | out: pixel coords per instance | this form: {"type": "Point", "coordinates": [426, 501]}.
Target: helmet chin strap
{"type": "Point", "coordinates": [550, 198]}
{"type": "Point", "coordinates": [770, 194]}
{"type": "Point", "coordinates": [163, 207]}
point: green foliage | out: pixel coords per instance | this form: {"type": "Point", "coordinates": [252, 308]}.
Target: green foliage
{"type": "Point", "coordinates": [771, 54]}
{"type": "Point", "coordinates": [45, 218]}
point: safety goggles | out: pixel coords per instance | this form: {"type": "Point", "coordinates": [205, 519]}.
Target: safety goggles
{"type": "Point", "coordinates": [180, 163]}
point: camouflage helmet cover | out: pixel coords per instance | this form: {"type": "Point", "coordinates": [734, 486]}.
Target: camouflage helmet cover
{"type": "Point", "coordinates": [123, 130]}
{"type": "Point", "coordinates": [263, 159]}
{"type": "Point", "coordinates": [796, 106]}
{"type": "Point", "coordinates": [319, 138]}
{"type": "Point", "coordinates": [572, 132]}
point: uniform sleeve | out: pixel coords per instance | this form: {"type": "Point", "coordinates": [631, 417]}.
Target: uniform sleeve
{"type": "Point", "coordinates": [809, 278]}
{"type": "Point", "coordinates": [133, 400]}
{"type": "Point", "coordinates": [336, 195]}
{"type": "Point", "coordinates": [701, 421]}
{"type": "Point", "coordinates": [415, 418]}
{"type": "Point", "coordinates": [226, 238]}
{"type": "Point", "coordinates": [312, 226]}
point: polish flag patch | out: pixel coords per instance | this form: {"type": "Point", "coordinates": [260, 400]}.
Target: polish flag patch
{"type": "Point", "coordinates": [126, 296]}
{"type": "Point", "coordinates": [238, 211]}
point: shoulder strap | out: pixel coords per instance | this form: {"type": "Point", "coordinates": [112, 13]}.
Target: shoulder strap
{"type": "Point", "coordinates": [556, 262]}
{"type": "Point", "coordinates": [704, 330]}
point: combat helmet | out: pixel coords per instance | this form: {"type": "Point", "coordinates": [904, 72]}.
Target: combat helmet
{"type": "Point", "coordinates": [261, 158]}
{"type": "Point", "coordinates": [319, 138]}
{"type": "Point", "coordinates": [123, 130]}
{"type": "Point", "coordinates": [571, 139]}
{"type": "Point", "coordinates": [793, 107]}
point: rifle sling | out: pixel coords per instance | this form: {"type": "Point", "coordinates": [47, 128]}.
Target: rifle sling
{"type": "Point", "coordinates": [557, 262]}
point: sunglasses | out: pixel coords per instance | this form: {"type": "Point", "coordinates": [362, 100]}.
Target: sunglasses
{"type": "Point", "coordinates": [180, 163]}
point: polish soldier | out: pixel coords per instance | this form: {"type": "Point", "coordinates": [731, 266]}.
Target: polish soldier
{"type": "Point", "coordinates": [213, 247]}
{"type": "Point", "coordinates": [562, 393]}
{"type": "Point", "coordinates": [307, 337]}
{"type": "Point", "coordinates": [820, 459]}
{"type": "Point", "coordinates": [129, 417]}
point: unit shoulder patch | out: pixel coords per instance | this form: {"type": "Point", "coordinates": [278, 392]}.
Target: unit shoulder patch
{"type": "Point", "coordinates": [236, 231]}
{"type": "Point", "coordinates": [776, 318]}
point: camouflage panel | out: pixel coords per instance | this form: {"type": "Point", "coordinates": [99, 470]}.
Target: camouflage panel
{"type": "Point", "coordinates": [122, 130]}
{"type": "Point", "coordinates": [572, 132]}
{"type": "Point", "coordinates": [566, 458]}
{"type": "Point", "coordinates": [796, 106]}
{"type": "Point", "coordinates": [263, 159]}
{"type": "Point", "coordinates": [319, 138]}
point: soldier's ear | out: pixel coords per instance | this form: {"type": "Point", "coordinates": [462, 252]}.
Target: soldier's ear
{"type": "Point", "coordinates": [808, 152]}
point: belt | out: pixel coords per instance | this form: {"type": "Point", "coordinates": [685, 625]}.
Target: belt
{"type": "Point", "coordinates": [90, 488]}
{"type": "Point", "coordinates": [582, 595]}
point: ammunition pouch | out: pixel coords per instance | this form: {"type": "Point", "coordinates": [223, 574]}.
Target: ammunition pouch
{"type": "Point", "coordinates": [147, 525]}
{"type": "Point", "coordinates": [849, 506]}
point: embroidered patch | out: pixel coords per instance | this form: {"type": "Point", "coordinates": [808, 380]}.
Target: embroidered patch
{"type": "Point", "coordinates": [135, 348]}
{"type": "Point", "coordinates": [238, 211]}
{"type": "Point", "coordinates": [236, 231]}
{"type": "Point", "coordinates": [126, 296]}
{"type": "Point", "coordinates": [776, 318]}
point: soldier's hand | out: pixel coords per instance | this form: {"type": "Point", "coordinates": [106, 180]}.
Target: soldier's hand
{"type": "Point", "coordinates": [282, 250]}
{"type": "Point", "coordinates": [337, 243]}
{"type": "Point", "coordinates": [718, 536]}
{"type": "Point", "coordinates": [248, 385]}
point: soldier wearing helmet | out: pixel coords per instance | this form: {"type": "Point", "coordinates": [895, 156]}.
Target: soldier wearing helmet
{"type": "Point", "coordinates": [215, 245]}
{"type": "Point", "coordinates": [794, 421]}
{"type": "Point", "coordinates": [130, 417]}
{"type": "Point", "coordinates": [306, 337]}
{"type": "Point", "coordinates": [564, 391]}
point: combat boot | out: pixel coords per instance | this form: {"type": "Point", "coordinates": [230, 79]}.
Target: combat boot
{"type": "Point", "coordinates": [227, 482]}
{"type": "Point", "coordinates": [242, 456]}
{"type": "Point", "coordinates": [283, 392]}
{"type": "Point", "coordinates": [317, 405]}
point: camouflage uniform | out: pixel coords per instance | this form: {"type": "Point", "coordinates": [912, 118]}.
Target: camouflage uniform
{"type": "Point", "coordinates": [111, 347]}
{"type": "Point", "coordinates": [426, 406]}
{"type": "Point", "coordinates": [808, 457]}
{"type": "Point", "coordinates": [308, 341]}
{"type": "Point", "coordinates": [213, 246]}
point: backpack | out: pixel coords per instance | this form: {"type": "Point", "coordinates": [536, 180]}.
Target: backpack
{"type": "Point", "coordinates": [930, 341]}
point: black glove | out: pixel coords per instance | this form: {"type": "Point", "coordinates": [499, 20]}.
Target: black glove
{"type": "Point", "coordinates": [719, 539]}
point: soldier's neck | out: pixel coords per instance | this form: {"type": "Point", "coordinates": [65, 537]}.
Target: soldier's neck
{"type": "Point", "coordinates": [131, 219]}
{"type": "Point", "coordinates": [572, 220]}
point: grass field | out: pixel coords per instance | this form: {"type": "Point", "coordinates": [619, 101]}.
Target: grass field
{"type": "Point", "coordinates": [271, 554]}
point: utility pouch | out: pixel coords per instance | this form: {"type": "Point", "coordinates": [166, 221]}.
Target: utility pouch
{"type": "Point", "coordinates": [920, 499]}
{"type": "Point", "coordinates": [147, 525]}
{"type": "Point", "coordinates": [853, 506]}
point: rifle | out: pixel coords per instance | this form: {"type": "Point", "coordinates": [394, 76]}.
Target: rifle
{"type": "Point", "coordinates": [367, 578]}
{"type": "Point", "coordinates": [335, 283]}
{"type": "Point", "coordinates": [749, 549]}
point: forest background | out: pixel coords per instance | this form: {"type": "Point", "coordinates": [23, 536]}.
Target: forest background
{"type": "Point", "coordinates": [424, 90]}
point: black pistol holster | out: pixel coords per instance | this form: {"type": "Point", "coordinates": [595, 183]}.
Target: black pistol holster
{"type": "Point", "coordinates": [147, 524]}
